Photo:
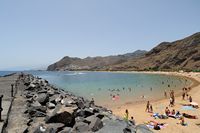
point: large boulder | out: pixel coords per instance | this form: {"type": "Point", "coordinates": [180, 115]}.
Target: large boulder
{"type": "Point", "coordinates": [66, 130]}
{"type": "Point", "coordinates": [50, 105]}
{"type": "Point", "coordinates": [112, 126]}
{"type": "Point", "coordinates": [42, 98]}
{"type": "Point", "coordinates": [63, 117]}
{"type": "Point", "coordinates": [142, 129]}
{"type": "Point", "coordinates": [81, 127]}
{"type": "Point", "coordinates": [95, 124]}
{"type": "Point", "coordinates": [84, 113]}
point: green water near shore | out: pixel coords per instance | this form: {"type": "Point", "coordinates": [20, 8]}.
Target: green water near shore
{"type": "Point", "coordinates": [113, 89]}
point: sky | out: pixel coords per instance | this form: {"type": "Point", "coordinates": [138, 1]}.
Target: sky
{"type": "Point", "coordinates": [36, 33]}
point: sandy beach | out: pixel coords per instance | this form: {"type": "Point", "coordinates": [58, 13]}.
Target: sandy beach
{"type": "Point", "coordinates": [138, 110]}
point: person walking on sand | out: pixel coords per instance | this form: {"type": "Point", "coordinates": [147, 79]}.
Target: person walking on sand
{"type": "Point", "coordinates": [183, 96]}
{"type": "Point", "coordinates": [151, 109]}
{"type": "Point", "coordinates": [190, 99]}
{"type": "Point", "coordinates": [126, 115]}
{"type": "Point", "coordinates": [147, 106]}
{"type": "Point", "coordinates": [165, 94]}
{"type": "Point", "coordinates": [170, 102]}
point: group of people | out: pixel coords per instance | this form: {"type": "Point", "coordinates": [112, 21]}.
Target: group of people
{"type": "Point", "coordinates": [185, 94]}
{"type": "Point", "coordinates": [149, 107]}
{"type": "Point", "coordinates": [126, 118]}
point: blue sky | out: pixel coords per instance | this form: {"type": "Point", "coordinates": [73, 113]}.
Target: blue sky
{"type": "Point", "coordinates": [35, 33]}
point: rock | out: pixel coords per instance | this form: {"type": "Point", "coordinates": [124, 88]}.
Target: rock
{"type": "Point", "coordinates": [67, 102]}
{"type": "Point", "coordinates": [66, 130]}
{"type": "Point", "coordinates": [38, 107]}
{"type": "Point", "coordinates": [141, 128]}
{"type": "Point", "coordinates": [127, 130]}
{"type": "Point", "coordinates": [54, 128]}
{"type": "Point", "coordinates": [34, 113]}
{"type": "Point", "coordinates": [51, 105]}
{"type": "Point", "coordinates": [112, 126]}
{"type": "Point", "coordinates": [80, 127]}
{"type": "Point", "coordinates": [40, 129]}
{"type": "Point", "coordinates": [53, 98]}
{"type": "Point", "coordinates": [36, 104]}
{"type": "Point", "coordinates": [84, 113]}
{"type": "Point", "coordinates": [42, 98]}
{"type": "Point", "coordinates": [95, 124]}
{"type": "Point", "coordinates": [51, 92]}
{"type": "Point", "coordinates": [63, 117]}
{"type": "Point", "coordinates": [42, 91]}
{"type": "Point", "coordinates": [80, 104]}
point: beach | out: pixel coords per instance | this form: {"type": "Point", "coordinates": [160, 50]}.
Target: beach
{"type": "Point", "coordinates": [138, 110]}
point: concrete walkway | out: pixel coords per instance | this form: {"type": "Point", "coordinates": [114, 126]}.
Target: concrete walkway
{"type": "Point", "coordinates": [17, 121]}
{"type": "Point", "coordinates": [5, 90]}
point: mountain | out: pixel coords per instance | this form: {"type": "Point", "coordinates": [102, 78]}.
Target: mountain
{"type": "Point", "coordinates": [93, 63]}
{"type": "Point", "coordinates": [182, 54]}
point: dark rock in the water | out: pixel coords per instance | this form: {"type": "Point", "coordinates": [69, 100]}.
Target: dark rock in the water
{"type": "Point", "coordinates": [63, 117]}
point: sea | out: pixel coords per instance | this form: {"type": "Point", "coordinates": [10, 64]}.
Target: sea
{"type": "Point", "coordinates": [112, 89]}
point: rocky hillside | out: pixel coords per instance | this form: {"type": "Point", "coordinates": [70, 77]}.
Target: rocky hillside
{"type": "Point", "coordinates": [181, 54]}
{"type": "Point", "coordinates": [93, 63]}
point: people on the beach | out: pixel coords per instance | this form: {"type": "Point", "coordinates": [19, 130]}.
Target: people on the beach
{"type": "Point", "coordinates": [182, 121]}
{"type": "Point", "coordinates": [183, 95]}
{"type": "Point", "coordinates": [172, 98]}
{"type": "Point", "coordinates": [132, 120]}
{"type": "Point", "coordinates": [147, 107]}
{"type": "Point", "coordinates": [92, 102]}
{"type": "Point", "coordinates": [190, 99]}
{"type": "Point", "coordinates": [151, 109]}
{"type": "Point", "coordinates": [167, 111]}
{"type": "Point", "coordinates": [165, 94]}
{"type": "Point", "coordinates": [190, 116]}
{"type": "Point", "coordinates": [126, 115]}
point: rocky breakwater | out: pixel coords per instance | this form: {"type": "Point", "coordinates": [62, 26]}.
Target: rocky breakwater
{"type": "Point", "coordinates": [53, 110]}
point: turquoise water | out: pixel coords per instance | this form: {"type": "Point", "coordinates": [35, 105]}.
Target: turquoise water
{"type": "Point", "coordinates": [125, 87]}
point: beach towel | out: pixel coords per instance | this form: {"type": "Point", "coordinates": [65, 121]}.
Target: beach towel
{"type": "Point", "coordinates": [188, 108]}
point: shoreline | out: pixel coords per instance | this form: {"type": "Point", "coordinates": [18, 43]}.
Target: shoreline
{"type": "Point", "coordinates": [137, 110]}
{"type": "Point", "coordinates": [178, 93]}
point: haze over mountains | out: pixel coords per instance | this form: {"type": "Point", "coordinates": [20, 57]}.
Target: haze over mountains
{"type": "Point", "coordinates": [181, 54]}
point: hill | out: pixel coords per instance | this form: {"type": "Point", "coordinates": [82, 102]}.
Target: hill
{"type": "Point", "coordinates": [181, 54]}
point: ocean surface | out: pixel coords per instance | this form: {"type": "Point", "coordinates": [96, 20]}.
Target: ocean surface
{"type": "Point", "coordinates": [113, 89]}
